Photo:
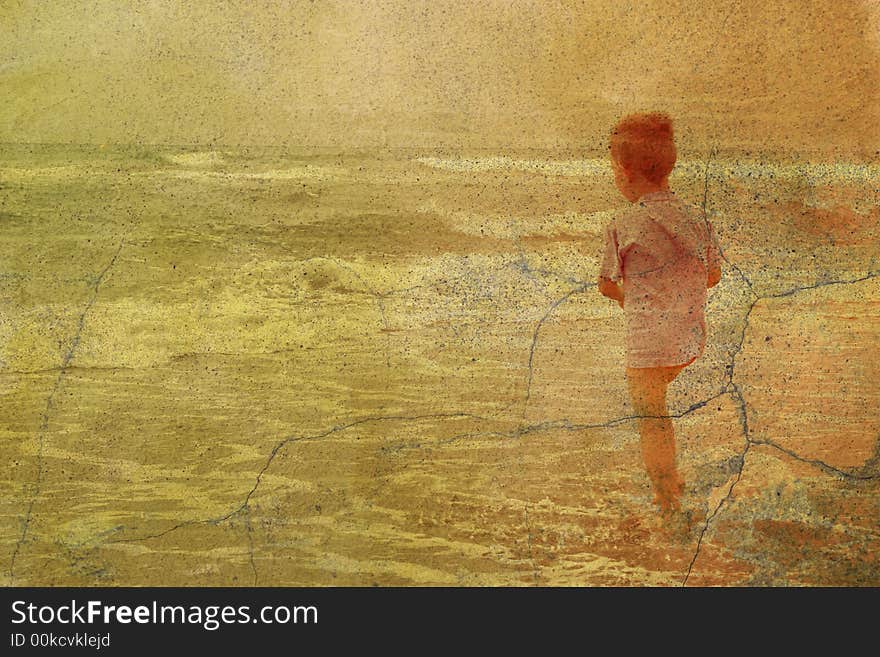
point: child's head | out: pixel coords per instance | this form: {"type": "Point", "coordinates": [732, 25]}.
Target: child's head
{"type": "Point", "coordinates": [642, 152]}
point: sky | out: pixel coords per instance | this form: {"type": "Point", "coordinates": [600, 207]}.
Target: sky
{"type": "Point", "coordinates": [764, 75]}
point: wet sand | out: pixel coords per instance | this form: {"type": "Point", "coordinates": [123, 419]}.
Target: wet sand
{"type": "Point", "coordinates": [228, 368]}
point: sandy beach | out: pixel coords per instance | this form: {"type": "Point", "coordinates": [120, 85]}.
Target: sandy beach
{"type": "Point", "coordinates": [238, 367]}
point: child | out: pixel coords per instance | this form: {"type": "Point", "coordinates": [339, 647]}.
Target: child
{"type": "Point", "coordinates": [660, 257]}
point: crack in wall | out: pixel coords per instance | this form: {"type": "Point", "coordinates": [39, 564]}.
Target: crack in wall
{"type": "Point", "coordinates": [742, 404]}
{"type": "Point", "coordinates": [712, 153]}
{"type": "Point", "coordinates": [548, 425]}
{"type": "Point", "coordinates": [575, 290]}
{"type": "Point", "coordinates": [522, 266]}
{"type": "Point", "coordinates": [858, 475]}
{"type": "Point", "coordinates": [743, 411]}
{"type": "Point", "coordinates": [36, 486]}
{"type": "Point", "coordinates": [249, 530]}
{"type": "Point", "coordinates": [744, 423]}
{"type": "Point", "coordinates": [536, 571]}
{"type": "Point", "coordinates": [563, 424]}
{"type": "Point", "coordinates": [243, 507]}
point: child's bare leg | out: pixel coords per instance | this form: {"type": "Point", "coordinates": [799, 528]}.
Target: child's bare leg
{"type": "Point", "coordinates": [647, 387]}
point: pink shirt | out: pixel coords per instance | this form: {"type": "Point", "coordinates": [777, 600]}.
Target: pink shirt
{"type": "Point", "coordinates": [662, 250]}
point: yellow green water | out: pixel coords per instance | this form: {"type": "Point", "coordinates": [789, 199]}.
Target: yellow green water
{"type": "Point", "coordinates": [236, 366]}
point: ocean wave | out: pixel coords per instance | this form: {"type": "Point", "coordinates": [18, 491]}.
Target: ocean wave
{"type": "Point", "coordinates": [590, 167]}
{"type": "Point", "coordinates": [306, 172]}
{"type": "Point", "coordinates": [22, 174]}
{"type": "Point", "coordinates": [812, 173]}
{"type": "Point", "coordinates": [197, 159]}
{"type": "Point", "coordinates": [503, 226]}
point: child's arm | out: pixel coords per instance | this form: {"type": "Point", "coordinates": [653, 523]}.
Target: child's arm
{"type": "Point", "coordinates": [611, 272]}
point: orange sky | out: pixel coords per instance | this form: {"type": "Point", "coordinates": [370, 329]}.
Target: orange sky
{"type": "Point", "coordinates": [759, 74]}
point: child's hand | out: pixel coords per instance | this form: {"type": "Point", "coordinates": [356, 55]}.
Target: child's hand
{"type": "Point", "coordinates": [611, 289]}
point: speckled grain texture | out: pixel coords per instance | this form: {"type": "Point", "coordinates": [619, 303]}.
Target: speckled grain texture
{"type": "Point", "coordinates": [303, 294]}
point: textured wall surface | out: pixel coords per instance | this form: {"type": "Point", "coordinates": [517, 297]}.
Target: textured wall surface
{"type": "Point", "coordinates": [304, 293]}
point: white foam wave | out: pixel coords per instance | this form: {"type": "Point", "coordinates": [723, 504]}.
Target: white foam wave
{"type": "Point", "coordinates": [590, 167]}
{"type": "Point", "coordinates": [199, 159]}
{"type": "Point", "coordinates": [813, 173]}
{"type": "Point", "coordinates": [306, 172]}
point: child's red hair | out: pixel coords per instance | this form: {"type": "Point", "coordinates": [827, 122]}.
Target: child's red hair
{"type": "Point", "coordinates": [643, 144]}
